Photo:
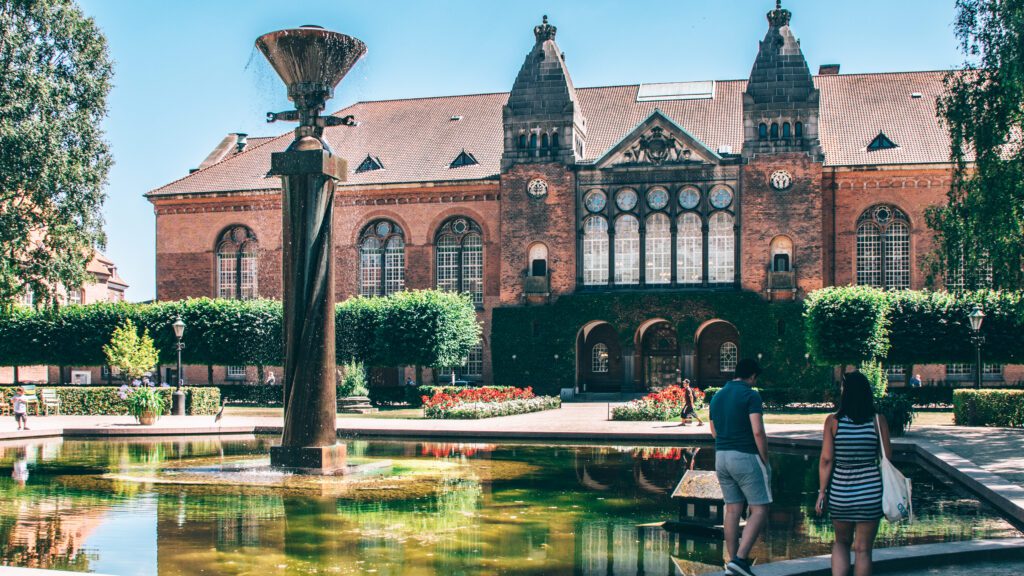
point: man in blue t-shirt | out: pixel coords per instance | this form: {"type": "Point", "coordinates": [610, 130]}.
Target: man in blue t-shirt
{"type": "Point", "coordinates": [741, 462]}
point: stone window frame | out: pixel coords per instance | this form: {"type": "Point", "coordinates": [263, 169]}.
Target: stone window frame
{"type": "Point", "coordinates": [882, 254]}
{"type": "Point", "coordinates": [460, 256]}
{"type": "Point", "coordinates": [236, 267]}
{"type": "Point", "coordinates": [381, 258]}
{"type": "Point", "coordinates": [590, 277]}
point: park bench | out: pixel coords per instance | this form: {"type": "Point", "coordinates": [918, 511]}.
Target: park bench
{"type": "Point", "coordinates": [49, 400]}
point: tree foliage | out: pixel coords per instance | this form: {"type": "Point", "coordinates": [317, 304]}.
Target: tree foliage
{"type": "Point", "coordinates": [132, 354]}
{"type": "Point", "coordinates": [54, 78]}
{"type": "Point", "coordinates": [982, 226]}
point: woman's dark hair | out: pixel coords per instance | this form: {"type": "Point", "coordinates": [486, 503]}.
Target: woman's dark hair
{"type": "Point", "coordinates": [856, 401]}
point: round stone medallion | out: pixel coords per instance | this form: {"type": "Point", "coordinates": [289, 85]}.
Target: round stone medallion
{"type": "Point", "coordinates": [781, 180]}
{"type": "Point", "coordinates": [537, 188]}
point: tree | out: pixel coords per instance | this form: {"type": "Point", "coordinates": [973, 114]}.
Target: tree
{"type": "Point", "coordinates": [55, 74]}
{"type": "Point", "coordinates": [980, 232]}
{"type": "Point", "coordinates": [130, 353]}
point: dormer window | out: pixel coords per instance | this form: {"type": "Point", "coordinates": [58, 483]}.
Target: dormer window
{"type": "Point", "coordinates": [369, 164]}
{"type": "Point", "coordinates": [881, 142]}
{"type": "Point", "coordinates": [463, 159]}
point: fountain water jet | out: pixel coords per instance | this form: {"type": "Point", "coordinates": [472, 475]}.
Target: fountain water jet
{"type": "Point", "coordinates": [311, 61]}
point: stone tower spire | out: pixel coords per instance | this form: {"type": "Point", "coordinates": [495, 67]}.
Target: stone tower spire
{"type": "Point", "coordinates": [780, 106]}
{"type": "Point", "coordinates": [543, 120]}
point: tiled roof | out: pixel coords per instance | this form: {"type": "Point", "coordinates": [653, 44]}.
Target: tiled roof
{"type": "Point", "coordinates": [417, 139]}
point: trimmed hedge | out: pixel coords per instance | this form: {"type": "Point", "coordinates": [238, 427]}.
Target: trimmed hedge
{"type": "Point", "coordinates": [536, 334]}
{"type": "Point", "coordinates": [848, 325]}
{"type": "Point", "coordinates": [427, 328]}
{"type": "Point", "coordinates": [941, 394]}
{"type": "Point", "coordinates": [104, 401]}
{"type": "Point", "coordinates": [781, 397]}
{"type": "Point", "coordinates": [989, 408]}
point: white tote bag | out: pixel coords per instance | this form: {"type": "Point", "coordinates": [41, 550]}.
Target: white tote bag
{"type": "Point", "coordinates": [896, 490]}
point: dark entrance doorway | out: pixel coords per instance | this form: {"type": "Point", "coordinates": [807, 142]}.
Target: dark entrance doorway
{"type": "Point", "coordinates": [717, 353]}
{"type": "Point", "coordinates": [660, 354]}
{"type": "Point", "coordinates": [599, 358]}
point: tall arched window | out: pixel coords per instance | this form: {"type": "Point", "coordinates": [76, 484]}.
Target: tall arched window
{"type": "Point", "coordinates": [627, 250]}
{"type": "Point", "coordinates": [786, 130]}
{"type": "Point", "coordinates": [883, 248]}
{"type": "Point", "coordinates": [554, 140]}
{"type": "Point", "coordinates": [689, 250]}
{"type": "Point", "coordinates": [381, 259]}
{"type": "Point", "coordinates": [522, 141]}
{"type": "Point", "coordinates": [538, 259]}
{"type": "Point", "coordinates": [728, 355]}
{"type": "Point", "coordinates": [658, 240]}
{"type": "Point", "coordinates": [599, 358]}
{"type": "Point", "coordinates": [798, 130]}
{"type": "Point", "coordinates": [237, 259]}
{"type": "Point", "coordinates": [775, 130]}
{"type": "Point", "coordinates": [762, 131]}
{"type": "Point", "coordinates": [721, 249]}
{"type": "Point", "coordinates": [595, 251]}
{"type": "Point", "coordinates": [460, 258]}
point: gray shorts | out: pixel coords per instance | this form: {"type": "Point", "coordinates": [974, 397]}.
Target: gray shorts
{"type": "Point", "coordinates": [743, 477]}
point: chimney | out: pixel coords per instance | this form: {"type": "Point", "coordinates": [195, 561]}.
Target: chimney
{"type": "Point", "coordinates": [828, 70]}
{"type": "Point", "coordinates": [240, 138]}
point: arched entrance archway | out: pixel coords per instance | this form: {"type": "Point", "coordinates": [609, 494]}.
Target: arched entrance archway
{"type": "Point", "coordinates": [718, 348]}
{"type": "Point", "coordinates": [659, 354]}
{"type": "Point", "coordinates": [598, 358]}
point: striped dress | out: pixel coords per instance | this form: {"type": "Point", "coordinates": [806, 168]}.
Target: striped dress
{"type": "Point", "coordinates": [855, 491]}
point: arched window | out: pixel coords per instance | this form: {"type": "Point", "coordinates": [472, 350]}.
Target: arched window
{"type": "Point", "coordinates": [237, 260]}
{"type": "Point", "coordinates": [786, 131]}
{"type": "Point", "coordinates": [544, 140]}
{"type": "Point", "coordinates": [595, 251]}
{"type": "Point", "coordinates": [721, 249]}
{"type": "Point", "coordinates": [460, 258]}
{"type": "Point", "coordinates": [538, 259]}
{"type": "Point", "coordinates": [775, 130]}
{"type": "Point", "coordinates": [762, 131]}
{"type": "Point", "coordinates": [781, 253]}
{"type": "Point", "coordinates": [627, 250]}
{"type": "Point", "coordinates": [658, 253]}
{"type": "Point", "coordinates": [883, 248]}
{"type": "Point", "coordinates": [533, 140]}
{"type": "Point", "coordinates": [728, 355]}
{"type": "Point", "coordinates": [522, 141]}
{"type": "Point", "coordinates": [381, 259]}
{"type": "Point", "coordinates": [599, 358]}
{"type": "Point", "coordinates": [798, 130]}
{"type": "Point", "coordinates": [554, 140]}
{"type": "Point", "coordinates": [689, 249]}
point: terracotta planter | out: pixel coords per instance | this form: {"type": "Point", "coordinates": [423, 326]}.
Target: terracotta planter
{"type": "Point", "coordinates": [147, 418]}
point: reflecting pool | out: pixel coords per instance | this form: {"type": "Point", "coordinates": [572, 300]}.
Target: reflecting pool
{"type": "Point", "coordinates": [206, 506]}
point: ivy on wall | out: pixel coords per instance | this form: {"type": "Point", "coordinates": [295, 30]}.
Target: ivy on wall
{"type": "Point", "coordinates": [536, 346]}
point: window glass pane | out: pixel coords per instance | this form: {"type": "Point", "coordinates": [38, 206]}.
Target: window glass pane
{"type": "Point", "coordinates": [394, 266]}
{"type": "Point", "coordinates": [475, 362]}
{"type": "Point", "coordinates": [248, 276]}
{"type": "Point", "coordinates": [236, 372]}
{"type": "Point", "coordinates": [627, 250]}
{"type": "Point", "coordinates": [595, 251]}
{"type": "Point", "coordinates": [721, 248]}
{"type": "Point", "coordinates": [897, 256]}
{"type": "Point", "coordinates": [369, 267]}
{"type": "Point", "coordinates": [448, 263]}
{"type": "Point", "coordinates": [727, 357]}
{"type": "Point", "coordinates": [599, 359]}
{"type": "Point", "coordinates": [992, 369]}
{"type": "Point", "coordinates": [473, 267]}
{"type": "Point", "coordinates": [689, 250]}
{"type": "Point", "coordinates": [959, 369]}
{"type": "Point", "coordinates": [869, 255]}
{"type": "Point", "coordinates": [658, 238]}
{"type": "Point", "coordinates": [227, 274]}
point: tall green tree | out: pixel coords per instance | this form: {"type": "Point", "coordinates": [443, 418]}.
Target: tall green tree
{"type": "Point", "coordinates": [981, 230]}
{"type": "Point", "coordinates": [55, 75]}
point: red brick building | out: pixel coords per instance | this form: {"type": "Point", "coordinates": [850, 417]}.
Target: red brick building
{"type": "Point", "coordinates": [778, 184]}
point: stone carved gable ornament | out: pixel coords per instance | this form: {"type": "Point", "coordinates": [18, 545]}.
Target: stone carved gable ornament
{"type": "Point", "coordinates": [656, 148]}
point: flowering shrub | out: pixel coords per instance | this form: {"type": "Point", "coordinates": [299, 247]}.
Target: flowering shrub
{"type": "Point", "coordinates": [142, 398]}
{"type": "Point", "coordinates": [475, 410]}
{"type": "Point", "coordinates": [485, 402]}
{"type": "Point", "coordinates": [662, 405]}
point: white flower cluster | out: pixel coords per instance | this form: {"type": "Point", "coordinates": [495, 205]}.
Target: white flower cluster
{"type": "Point", "coordinates": [475, 410]}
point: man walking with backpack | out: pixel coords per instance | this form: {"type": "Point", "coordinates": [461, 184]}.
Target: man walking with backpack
{"type": "Point", "coordinates": [741, 462]}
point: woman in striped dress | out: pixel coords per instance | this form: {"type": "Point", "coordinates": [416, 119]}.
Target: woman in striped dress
{"type": "Point", "coordinates": [849, 478]}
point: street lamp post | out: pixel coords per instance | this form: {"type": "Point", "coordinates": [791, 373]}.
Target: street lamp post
{"type": "Point", "coordinates": [977, 316]}
{"type": "Point", "coordinates": [178, 397]}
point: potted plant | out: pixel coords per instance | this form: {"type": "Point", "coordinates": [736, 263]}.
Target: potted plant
{"type": "Point", "coordinates": [144, 402]}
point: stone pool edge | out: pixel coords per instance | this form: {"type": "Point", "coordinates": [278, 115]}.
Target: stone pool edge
{"type": "Point", "coordinates": [903, 557]}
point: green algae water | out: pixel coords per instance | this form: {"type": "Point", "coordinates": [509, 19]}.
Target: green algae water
{"type": "Point", "coordinates": [212, 506]}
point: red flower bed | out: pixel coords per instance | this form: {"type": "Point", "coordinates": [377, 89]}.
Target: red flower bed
{"type": "Point", "coordinates": [676, 395]}
{"type": "Point", "coordinates": [482, 394]}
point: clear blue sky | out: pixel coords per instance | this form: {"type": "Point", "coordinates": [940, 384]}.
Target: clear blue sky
{"type": "Point", "coordinates": [186, 72]}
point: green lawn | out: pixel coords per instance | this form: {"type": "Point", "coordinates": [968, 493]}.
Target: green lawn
{"type": "Point", "coordinates": [403, 413]}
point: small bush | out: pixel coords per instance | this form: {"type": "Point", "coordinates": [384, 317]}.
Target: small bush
{"type": "Point", "coordinates": [898, 411]}
{"type": "Point", "coordinates": [989, 408]}
{"type": "Point", "coordinates": [352, 380]}
{"type": "Point", "coordinates": [662, 405]}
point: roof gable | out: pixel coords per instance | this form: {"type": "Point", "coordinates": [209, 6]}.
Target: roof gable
{"type": "Point", "coordinates": [657, 141]}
